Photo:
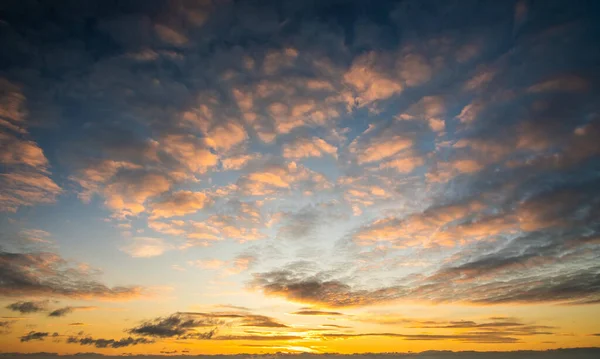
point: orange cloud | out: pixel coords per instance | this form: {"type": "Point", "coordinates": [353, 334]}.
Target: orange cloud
{"type": "Point", "coordinates": [308, 147]}
{"type": "Point", "coordinates": [190, 151]}
{"type": "Point", "coordinates": [180, 203]}
{"type": "Point", "coordinates": [127, 193]}
{"type": "Point", "coordinates": [370, 83]}
{"type": "Point", "coordinates": [146, 247]}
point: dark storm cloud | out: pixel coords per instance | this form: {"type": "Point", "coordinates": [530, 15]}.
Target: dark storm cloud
{"type": "Point", "coordinates": [28, 307]}
{"type": "Point", "coordinates": [34, 336]}
{"type": "Point", "coordinates": [47, 274]}
{"type": "Point", "coordinates": [109, 343]}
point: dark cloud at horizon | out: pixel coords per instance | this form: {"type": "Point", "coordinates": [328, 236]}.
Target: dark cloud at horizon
{"type": "Point", "coordinates": [581, 353]}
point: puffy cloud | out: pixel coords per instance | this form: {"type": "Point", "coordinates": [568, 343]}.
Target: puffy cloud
{"type": "Point", "coordinates": [47, 274]}
{"type": "Point", "coordinates": [28, 307]}
{"type": "Point", "coordinates": [180, 203]}
{"type": "Point", "coordinates": [34, 336]}
{"type": "Point", "coordinates": [369, 82]}
{"type": "Point", "coordinates": [277, 177]}
{"type": "Point", "coordinates": [238, 162]}
{"type": "Point", "coordinates": [128, 192]}
{"type": "Point", "coordinates": [308, 147]}
{"type": "Point", "coordinates": [170, 35]}
{"type": "Point", "coordinates": [146, 247]}
{"type": "Point", "coordinates": [227, 135]}
{"type": "Point", "coordinates": [25, 178]}
{"type": "Point", "coordinates": [414, 69]}
{"type": "Point", "coordinates": [241, 221]}
{"type": "Point", "coordinates": [382, 147]}
{"type": "Point", "coordinates": [190, 151]}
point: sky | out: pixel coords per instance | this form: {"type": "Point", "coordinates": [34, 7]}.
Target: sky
{"type": "Point", "coordinates": [197, 177]}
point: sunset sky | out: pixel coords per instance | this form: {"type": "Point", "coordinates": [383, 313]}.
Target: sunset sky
{"type": "Point", "coordinates": [201, 177]}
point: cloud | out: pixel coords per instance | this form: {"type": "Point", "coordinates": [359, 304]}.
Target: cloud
{"type": "Point", "coordinates": [28, 307]}
{"type": "Point", "coordinates": [61, 312]}
{"type": "Point", "coordinates": [180, 203]}
{"type": "Point", "coordinates": [170, 35]}
{"type": "Point", "coordinates": [194, 325]}
{"type": "Point", "coordinates": [239, 264]}
{"type": "Point", "coordinates": [47, 274]}
{"type": "Point", "coordinates": [208, 264]}
{"type": "Point", "coordinates": [190, 151]}
{"type": "Point", "coordinates": [420, 229]}
{"type": "Point", "coordinates": [308, 147]}
{"type": "Point", "coordinates": [315, 312]}
{"type": "Point", "coordinates": [108, 343]}
{"type": "Point", "coordinates": [369, 82]}
{"type": "Point", "coordinates": [381, 147]}
{"type": "Point", "coordinates": [176, 325]}
{"type": "Point", "coordinates": [128, 192]}
{"type": "Point", "coordinates": [317, 290]}
{"type": "Point", "coordinates": [34, 336]}
{"type": "Point", "coordinates": [146, 247]}
{"type": "Point", "coordinates": [241, 221]}
{"type": "Point", "coordinates": [26, 176]}
{"type": "Point", "coordinates": [238, 162]}
{"type": "Point", "coordinates": [274, 178]}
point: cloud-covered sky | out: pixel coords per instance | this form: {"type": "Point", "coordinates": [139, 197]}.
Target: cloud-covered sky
{"type": "Point", "coordinates": [301, 176]}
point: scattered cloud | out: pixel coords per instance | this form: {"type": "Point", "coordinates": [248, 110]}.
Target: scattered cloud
{"type": "Point", "coordinates": [28, 307]}
{"type": "Point", "coordinates": [34, 336]}
{"type": "Point", "coordinates": [146, 247]}
{"type": "Point", "coordinates": [47, 274]}
{"type": "Point", "coordinates": [315, 312]}
{"type": "Point", "coordinates": [108, 343]}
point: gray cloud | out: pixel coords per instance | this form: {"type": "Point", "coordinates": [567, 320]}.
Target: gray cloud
{"type": "Point", "coordinates": [47, 274]}
{"type": "Point", "coordinates": [28, 307]}
{"type": "Point", "coordinates": [34, 336]}
{"type": "Point", "coordinates": [316, 312]}
{"type": "Point", "coordinates": [109, 343]}
{"type": "Point", "coordinates": [176, 325]}
{"type": "Point", "coordinates": [318, 290]}
{"type": "Point", "coordinates": [61, 312]}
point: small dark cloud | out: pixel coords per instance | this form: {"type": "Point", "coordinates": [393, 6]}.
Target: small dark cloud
{"type": "Point", "coordinates": [176, 325]}
{"type": "Point", "coordinates": [28, 307]}
{"type": "Point", "coordinates": [61, 312]}
{"type": "Point", "coordinates": [34, 336]}
{"type": "Point", "coordinates": [77, 324]}
{"type": "Point", "coordinates": [109, 343]}
{"type": "Point", "coordinates": [316, 312]}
